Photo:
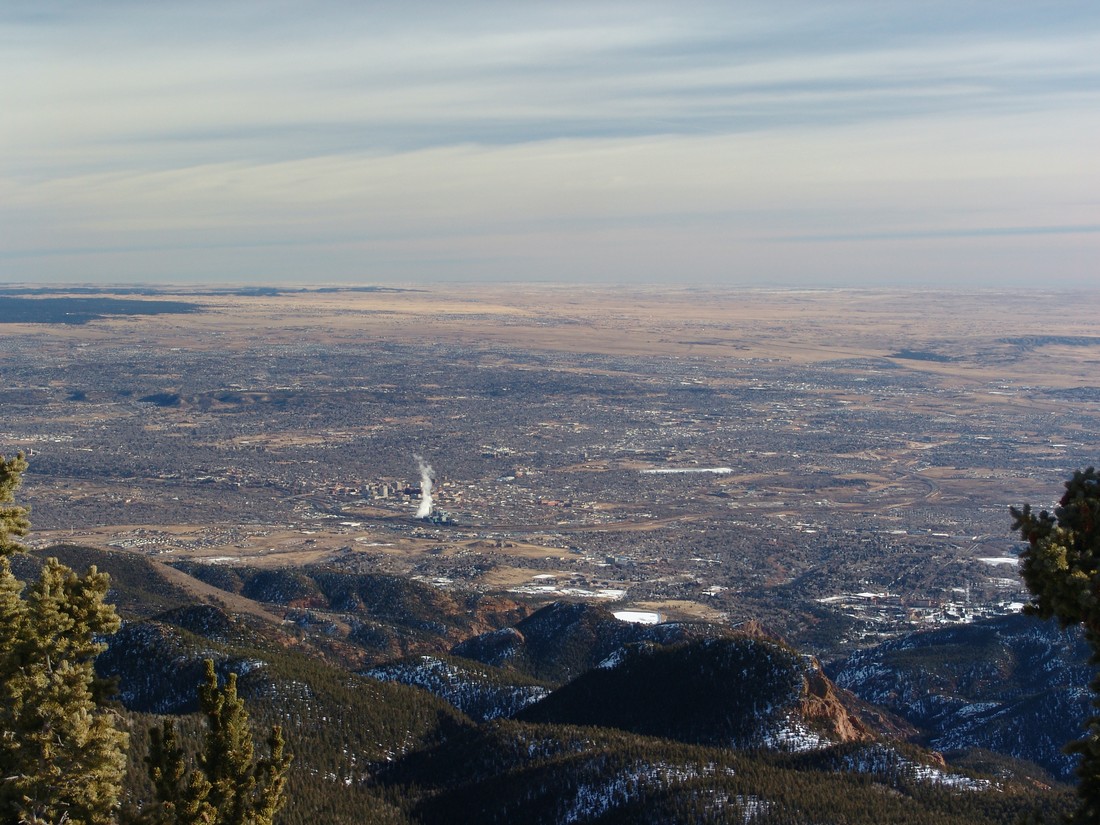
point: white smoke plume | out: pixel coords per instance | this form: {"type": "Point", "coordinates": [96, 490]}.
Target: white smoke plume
{"type": "Point", "coordinates": [426, 476]}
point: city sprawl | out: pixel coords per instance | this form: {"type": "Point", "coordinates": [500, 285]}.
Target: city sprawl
{"type": "Point", "coordinates": [839, 465]}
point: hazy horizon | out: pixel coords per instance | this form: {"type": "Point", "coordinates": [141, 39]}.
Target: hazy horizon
{"type": "Point", "coordinates": [786, 145]}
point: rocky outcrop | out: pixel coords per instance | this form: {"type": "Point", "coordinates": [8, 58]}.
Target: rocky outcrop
{"type": "Point", "coordinates": [823, 710]}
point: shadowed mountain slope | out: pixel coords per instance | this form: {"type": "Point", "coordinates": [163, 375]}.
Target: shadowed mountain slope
{"type": "Point", "coordinates": [1013, 685]}
{"type": "Point", "coordinates": [564, 639]}
{"type": "Point", "coordinates": [737, 692]}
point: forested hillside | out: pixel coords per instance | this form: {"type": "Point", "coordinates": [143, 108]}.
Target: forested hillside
{"type": "Point", "coordinates": [629, 723]}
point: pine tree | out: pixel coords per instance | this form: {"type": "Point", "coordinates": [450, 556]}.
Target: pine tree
{"type": "Point", "coordinates": [13, 519]}
{"type": "Point", "coordinates": [62, 756]}
{"type": "Point", "coordinates": [229, 786]}
{"type": "Point", "coordinates": [181, 798]}
{"type": "Point", "coordinates": [1061, 568]}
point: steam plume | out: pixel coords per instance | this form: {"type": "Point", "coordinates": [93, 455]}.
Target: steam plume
{"type": "Point", "coordinates": [426, 476]}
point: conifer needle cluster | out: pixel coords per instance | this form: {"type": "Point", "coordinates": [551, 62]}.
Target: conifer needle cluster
{"type": "Point", "coordinates": [1061, 567]}
{"type": "Point", "coordinates": [63, 751]}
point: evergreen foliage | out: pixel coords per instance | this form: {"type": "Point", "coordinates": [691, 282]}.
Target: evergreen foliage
{"type": "Point", "coordinates": [564, 639]}
{"type": "Point", "coordinates": [480, 691]}
{"type": "Point", "coordinates": [13, 518]}
{"type": "Point", "coordinates": [229, 786]}
{"type": "Point", "coordinates": [138, 587]}
{"type": "Point", "coordinates": [506, 772]}
{"type": "Point", "coordinates": [1061, 567]}
{"type": "Point", "coordinates": [181, 798]}
{"type": "Point", "coordinates": [62, 752]}
{"type": "Point", "coordinates": [727, 692]}
{"type": "Point", "coordinates": [62, 755]}
{"type": "Point", "coordinates": [1010, 684]}
{"type": "Point", "coordinates": [385, 615]}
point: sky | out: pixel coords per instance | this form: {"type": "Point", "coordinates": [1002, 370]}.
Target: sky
{"type": "Point", "coordinates": [811, 144]}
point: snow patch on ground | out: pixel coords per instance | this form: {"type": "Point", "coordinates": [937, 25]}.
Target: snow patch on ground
{"type": "Point", "coordinates": [681, 470]}
{"type": "Point", "coordinates": [934, 776]}
{"type": "Point", "coordinates": [638, 616]}
{"type": "Point", "coordinates": [976, 708]}
{"type": "Point", "coordinates": [752, 806]}
{"type": "Point", "coordinates": [794, 737]}
{"type": "Point", "coordinates": [467, 690]}
{"type": "Point", "coordinates": [885, 761]}
{"type": "Point", "coordinates": [592, 800]}
{"type": "Point", "coordinates": [614, 660]}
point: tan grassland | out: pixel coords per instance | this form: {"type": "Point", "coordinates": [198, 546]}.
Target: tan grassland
{"type": "Point", "coordinates": [797, 326]}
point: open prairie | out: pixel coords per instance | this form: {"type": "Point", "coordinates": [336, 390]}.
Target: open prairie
{"type": "Point", "coordinates": [985, 329]}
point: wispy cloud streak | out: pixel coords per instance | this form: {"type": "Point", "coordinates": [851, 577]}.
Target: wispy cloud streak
{"type": "Point", "coordinates": [933, 234]}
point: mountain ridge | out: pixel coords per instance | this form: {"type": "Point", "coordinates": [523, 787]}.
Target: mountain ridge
{"type": "Point", "coordinates": [369, 748]}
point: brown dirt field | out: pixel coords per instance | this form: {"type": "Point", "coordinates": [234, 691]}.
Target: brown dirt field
{"type": "Point", "coordinates": [682, 610]}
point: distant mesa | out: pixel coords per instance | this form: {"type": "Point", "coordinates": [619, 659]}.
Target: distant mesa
{"type": "Point", "coordinates": [66, 309]}
{"type": "Point", "coordinates": [239, 291]}
{"type": "Point", "coordinates": [257, 292]}
{"type": "Point", "coordinates": [1058, 340]}
{"type": "Point", "coordinates": [162, 399]}
{"type": "Point", "coordinates": [83, 310]}
{"type": "Point", "coordinates": [366, 289]}
{"type": "Point", "coordinates": [920, 355]}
